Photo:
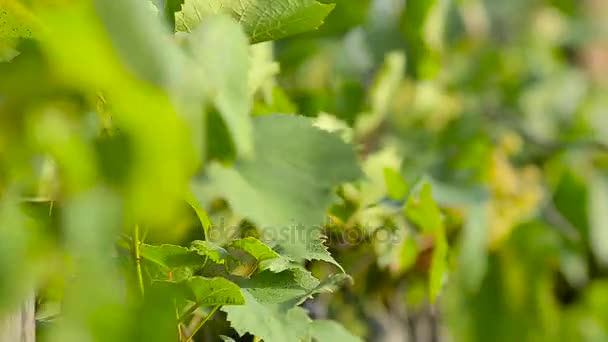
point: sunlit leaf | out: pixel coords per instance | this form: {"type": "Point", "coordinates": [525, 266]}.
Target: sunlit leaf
{"type": "Point", "coordinates": [262, 19]}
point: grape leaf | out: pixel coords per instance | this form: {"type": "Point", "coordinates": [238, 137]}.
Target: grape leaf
{"type": "Point", "coordinates": [200, 213]}
{"type": "Point", "coordinates": [262, 19]}
{"type": "Point", "coordinates": [172, 6]}
{"type": "Point", "coordinates": [270, 311]}
{"type": "Point", "coordinates": [256, 248]}
{"type": "Point", "coordinates": [16, 21]}
{"type": "Point", "coordinates": [331, 331]}
{"type": "Point", "coordinates": [171, 256]}
{"type": "Point", "coordinates": [424, 212]}
{"type": "Point", "coordinates": [288, 186]}
{"type": "Point", "coordinates": [598, 220]}
{"type": "Point", "coordinates": [266, 258]}
{"type": "Point", "coordinates": [270, 322]}
{"type": "Point", "coordinates": [395, 184]}
{"type": "Point", "coordinates": [211, 250]}
{"type": "Point", "coordinates": [221, 52]}
{"type": "Point", "coordinates": [215, 291]}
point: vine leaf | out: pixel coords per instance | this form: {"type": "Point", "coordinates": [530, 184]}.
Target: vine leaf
{"type": "Point", "coordinates": [171, 256]}
{"type": "Point", "coordinates": [270, 322]}
{"type": "Point", "coordinates": [262, 20]}
{"type": "Point", "coordinates": [270, 311]}
{"type": "Point", "coordinates": [221, 53]}
{"type": "Point", "coordinates": [422, 210]}
{"type": "Point", "coordinates": [211, 250]}
{"type": "Point", "coordinates": [290, 183]}
{"type": "Point", "coordinates": [215, 291]}
{"type": "Point", "coordinates": [266, 257]}
{"type": "Point", "coordinates": [331, 331]}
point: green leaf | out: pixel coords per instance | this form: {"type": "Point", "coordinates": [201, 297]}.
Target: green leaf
{"type": "Point", "coordinates": [598, 217]}
{"type": "Point", "coordinates": [172, 6]}
{"type": "Point", "coordinates": [262, 19]}
{"type": "Point", "coordinates": [473, 255]}
{"type": "Point", "coordinates": [271, 310]}
{"type": "Point", "coordinates": [424, 212]}
{"type": "Point", "coordinates": [290, 183]}
{"type": "Point", "coordinates": [140, 39]}
{"type": "Point", "coordinates": [8, 49]}
{"type": "Point", "coordinates": [171, 256]}
{"type": "Point", "coordinates": [211, 250]}
{"type": "Point", "coordinates": [270, 322]}
{"type": "Point", "coordinates": [256, 248]}
{"type": "Point", "coordinates": [221, 51]}
{"type": "Point", "coordinates": [15, 20]}
{"type": "Point", "coordinates": [265, 256]}
{"type": "Point", "coordinates": [215, 291]}
{"type": "Point", "coordinates": [331, 331]}
{"type": "Point", "coordinates": [395, 184]}
{"type": "Point", "coordinates": [200, 213]}
{"type": "Point", "coordinates": [439, 265]}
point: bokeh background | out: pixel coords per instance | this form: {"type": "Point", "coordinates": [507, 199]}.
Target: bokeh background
{"type": "Point", "coordinates": [499, 107]}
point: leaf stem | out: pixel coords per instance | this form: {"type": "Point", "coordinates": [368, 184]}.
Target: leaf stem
{"type": "Point", "coordinates": [136, 243]}
{"type": "Point", "coordinates": [200, 325]}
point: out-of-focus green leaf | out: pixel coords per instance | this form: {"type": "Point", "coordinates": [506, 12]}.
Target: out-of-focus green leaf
{"type": "Point", "coordinates": [289, 185]}
{"type": "Point", "coordinates": [598, 216]}
{"type": "Point", "coordinates": [8, 49]}
{"type": "Point", "coordinates": [331, 331]}
{"type": "Point", "coordinates": [424, 212]}
{"type": "Point", "coordinates": [473, 254]}
{"type": "Point", "coordinates": [262, 19]}
{"type": "Point", "coordinates": [172, 6]}
{"type": "Point", "coordinates": [16, 21]}
{"type": "Point", "coordinates": [200, 213]}
{"type": "Point", "coordinates": [395, 184]}
{"type": "Point", "coordinates": [221, 51]}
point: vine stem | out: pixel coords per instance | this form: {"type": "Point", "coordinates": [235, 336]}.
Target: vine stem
{"type": "Point", "coordinates": [136, 244]}
{"type": "Point", "coordinates": [200, 325]}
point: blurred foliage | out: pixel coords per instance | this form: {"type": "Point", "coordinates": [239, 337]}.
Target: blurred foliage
{"type": "Point", "coordinates": [412, 170]}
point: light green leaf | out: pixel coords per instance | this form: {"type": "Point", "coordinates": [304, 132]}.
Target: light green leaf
{"type": "Point", "coordinates": [267, 258]}
{"type": "Point", "coordinates": [215, 291]}
{"type": "Point", "coordinates": [290, 183]}
{"type": "Point", "coordinates": [262, 19]}
{"type": "Point", "coordinates": [473, 255]}
{"type": "Point", "coordinates": [256, 248]}
{"type": "Point", "coordinates": [8, 49]}
{"type": "Point", "coordinates": [271, 310]}
{"type": "Point", "coordinates": [211, 250]}
{"type": "Point", "coordinates": [140, 40]}
{"type": "Point", "coordinates": [172, 6]}
{"type": "Point", "coordinates": [331, 331]}
{"type": "Point", "coordinates": [422, 210]}
{"type": "Point", "coordinates": [598, 216]}
{"type": "Point", "coordinates": [15, 20]}
{"type": "Point", "coordinates": [270, 322]}
{"type": "Point", "coordinates": [439, 265]}
{"type": "Point", "coordinates": [171, 256]}
{"type": "Point", "coordinates": [221, 51]}
{"type": "Point", "coordinates": [395, 184]}
{"type": "Point", "coordinates": [200, 213]}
